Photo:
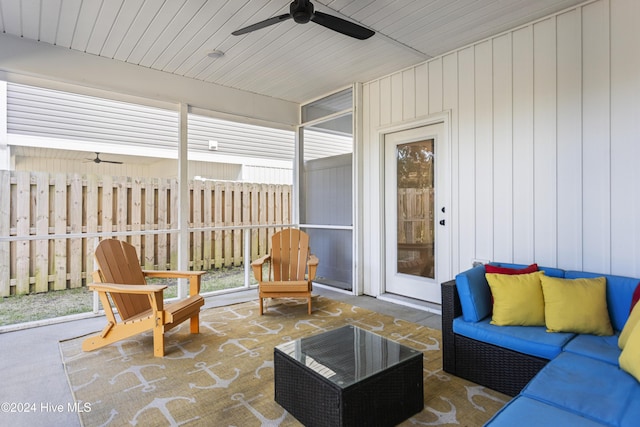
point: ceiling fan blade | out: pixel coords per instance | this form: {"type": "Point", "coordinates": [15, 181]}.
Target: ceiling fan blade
{"type": "Point", "coordinates": [262, 24]}
{"type": "Point", "coordinates": [342, 26]}
{"type": "Point", "coordinates": [110, 161]}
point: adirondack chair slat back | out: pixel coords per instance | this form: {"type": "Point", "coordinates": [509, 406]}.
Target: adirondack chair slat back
{"type": "Point", "coordinates": [289, 253]}
{"type": "Point", "coordinates": [118, 263]}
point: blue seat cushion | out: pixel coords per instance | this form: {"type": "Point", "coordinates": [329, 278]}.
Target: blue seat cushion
{"type": "Point", "coordinates": [631, 416]}
{"type": "Point", "coordinates": [526, 412]}
{"type": "Point", "coordinates": [601, 348]}
{"type": "Point", "coordinates": [531, 340]}
{"type": "Point", "coordinates": [585, 386]}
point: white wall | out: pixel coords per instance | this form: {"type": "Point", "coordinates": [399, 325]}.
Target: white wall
{"type": "Point", "coordinates": [545, 142]}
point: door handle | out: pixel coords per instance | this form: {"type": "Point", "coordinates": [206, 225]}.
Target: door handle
{"type": "Point", "coordinates": [442, 222]}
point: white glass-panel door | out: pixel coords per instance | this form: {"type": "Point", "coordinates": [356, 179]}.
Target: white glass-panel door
{"type": "Point", "coordinates": [415, 228]}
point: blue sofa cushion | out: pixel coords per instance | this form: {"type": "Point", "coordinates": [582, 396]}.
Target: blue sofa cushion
{"type": "Point", "coordinates": [475, 294]}
{"type": "Point", "coordinates": [631, 416]}
{"type": "Point", "coordinates": [601, 348]}
{"type": "Point", "coordinates": [526, 412]}
{"type": "Point", "coordinates": [619, 292]}
{"type": "Point", "coordinates": [531, 340]}
{"type": "Point", "coordinates": [585, 386]}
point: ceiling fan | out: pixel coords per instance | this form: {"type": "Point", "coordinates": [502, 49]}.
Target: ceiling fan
{"type": "Point", "coordinates": [99, 160]}
{"type": "Point", "coordinates": [302, 12]}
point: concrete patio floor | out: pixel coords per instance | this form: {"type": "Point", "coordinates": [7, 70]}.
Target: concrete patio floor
{"type": "Point", "coordinates": [33, 375]}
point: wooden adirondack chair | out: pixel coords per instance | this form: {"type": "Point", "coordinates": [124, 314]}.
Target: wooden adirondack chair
{"type": "Point", "coordinates": [140, 306]}
{"type": "Point", "coordinates": [288, 263]}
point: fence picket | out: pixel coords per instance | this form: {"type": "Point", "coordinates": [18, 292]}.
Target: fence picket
{"type": "Point", "coordinates": [59, 211]}
{"type": "Point", "coordinates": [148, 241]}
{"type": "Point", "coordinates": [41, 272]}
{"type": "Point", "coordinates": [162, 223]}
{"type": "Point", "coordinates": [75, 222]}
{"type": "Point", "coordinates": [5, 227]}
{"type": "Point", "coordinates": [92, 214]}
{"type": "Point", "coordinates": [41, 204]}
{"type": "Point", "coordinates": [23, 222]}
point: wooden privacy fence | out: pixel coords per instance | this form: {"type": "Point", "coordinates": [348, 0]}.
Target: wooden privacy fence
{"type": "Point", "coordinates": [35, 205]}
{"type": "Point", "coordinates": [415, 218]}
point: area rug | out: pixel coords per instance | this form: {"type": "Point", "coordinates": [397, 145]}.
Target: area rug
{"type": "Point", "coordinates": [224, 375]}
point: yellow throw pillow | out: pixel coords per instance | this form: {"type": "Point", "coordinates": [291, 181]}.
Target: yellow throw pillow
{"type": "Point", "coordinates": [630, 357]}
{"type": "Point", "coordinates": [632, 321]}
{"type": "Point", "coordinates": [517, 299]}
{"type": "Point", "coordinates": [576, 305]}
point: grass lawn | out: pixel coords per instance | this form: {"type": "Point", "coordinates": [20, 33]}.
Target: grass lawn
{"type": "Point", "coordinates": [28, 308]}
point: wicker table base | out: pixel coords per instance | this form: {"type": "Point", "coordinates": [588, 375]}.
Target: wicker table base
{"type": "Point", "coordinates": [348, 377]}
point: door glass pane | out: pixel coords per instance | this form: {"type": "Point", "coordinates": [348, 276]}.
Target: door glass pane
{"type": "Point", "coordinates": [415, 164]}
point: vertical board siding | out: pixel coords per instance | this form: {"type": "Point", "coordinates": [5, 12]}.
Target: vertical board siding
{"type": "Point", "coordinates": [466, 155]}
{"type": "Point", "coordinates": [483, 137]}
{"type": "Point", "coordinates": [522, 208]}
{"type": "Point", "coordinates": [502, 148]}
{"type": "Point", "coordinates": [37, 204]}
{"type": "Point", "coordinates": [625, 136]}
{"type": "Point", "coordinates": [569, 139]}
{"type": "Point", "coordinates": [450, 102]}
{"type": "Point", "coordinates": [544, 142]}
{"type": "Point", "coordinates": [596, 142]}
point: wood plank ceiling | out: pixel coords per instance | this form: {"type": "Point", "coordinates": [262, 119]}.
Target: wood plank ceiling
{"type": "Point", "coordinates": [287, 61]}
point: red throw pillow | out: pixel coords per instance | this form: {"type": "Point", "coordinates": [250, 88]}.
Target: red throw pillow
{"type": "Point", "coordinates": [504, 270]}
{"type": "Point", "coordinates": [635, 297]}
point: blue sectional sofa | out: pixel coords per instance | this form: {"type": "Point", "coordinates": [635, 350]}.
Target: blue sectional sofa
{"type": "Point", "coordinates": [557, 378]}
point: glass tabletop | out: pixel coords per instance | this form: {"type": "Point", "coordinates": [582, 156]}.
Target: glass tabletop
{"type": "Point", "coordinates": [348, 354]}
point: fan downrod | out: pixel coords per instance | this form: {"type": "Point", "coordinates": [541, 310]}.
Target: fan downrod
{"type": "Point", "coordinates": [301, 11]}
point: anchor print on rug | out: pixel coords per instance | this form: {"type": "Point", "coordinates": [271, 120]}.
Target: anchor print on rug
{"type": "Point", "coordinates": [264, 421]}
{"type": "Point", "coordinates": [438, 374]}
{"type": "Point", "coordinates": [373, 328]}
{"type": "Point", "coordinates": [147, 385]}
{"type": "Point", "coordinates": [326, 313]}
{"type": "Point", "coordinates": [265, 365]}
{"type": "Point", "coordinates": [267, 331]}
{"type": "Point", "coordinates": [417, 345]}
{"type": "Point", "coordinates": [210, 326]}
{"type": "Point", "coordinates": [238, 343]}
{"type": "Point", "coordinates": [124, 348]}
{"type": "Point", "coordinates": [93, 378]}
{"type": "Point", "coordinates": [219, 382]}
{"type": "Point", "coordinates": [186, 354]}
{"type": "Point", "coordinates": [473, 391]}
{"type": "Point", "coordinates": [112, 415]}
{"type": "Point", "coordinates": [449, 417]}
{"type": "Point", "coordinates": [310, 322]}
{"type": "Point", "coordinates": [235, 315]}
{"type": "Point", "coordinates": [161, 405]}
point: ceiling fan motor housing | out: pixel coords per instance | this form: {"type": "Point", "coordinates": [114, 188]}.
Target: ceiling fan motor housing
{"type": "Point", "coordinates": [301, 11]}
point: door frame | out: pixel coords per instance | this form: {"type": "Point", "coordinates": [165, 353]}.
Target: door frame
{"type": "Point", "coordinates": [445, 119]}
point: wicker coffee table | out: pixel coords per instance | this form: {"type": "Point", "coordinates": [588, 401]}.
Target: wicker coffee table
{"type": "Point", "coordinates": [348, 377]}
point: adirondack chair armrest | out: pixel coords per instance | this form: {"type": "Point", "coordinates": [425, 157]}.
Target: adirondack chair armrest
{"type": "Point", "coordinates": [312, 264]}
{"type": "Point", "coordinates": [195, 277]}
{"type": "Point", "coordinates": [126, 289]}
{"type": "Point", "coordinates": [173, 274]}
{"type": "Point", "coordinates": [257, 266]}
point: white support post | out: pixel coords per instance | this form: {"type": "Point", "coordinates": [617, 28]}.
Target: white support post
{"type": "Point", "coordinates": [183, 200]}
